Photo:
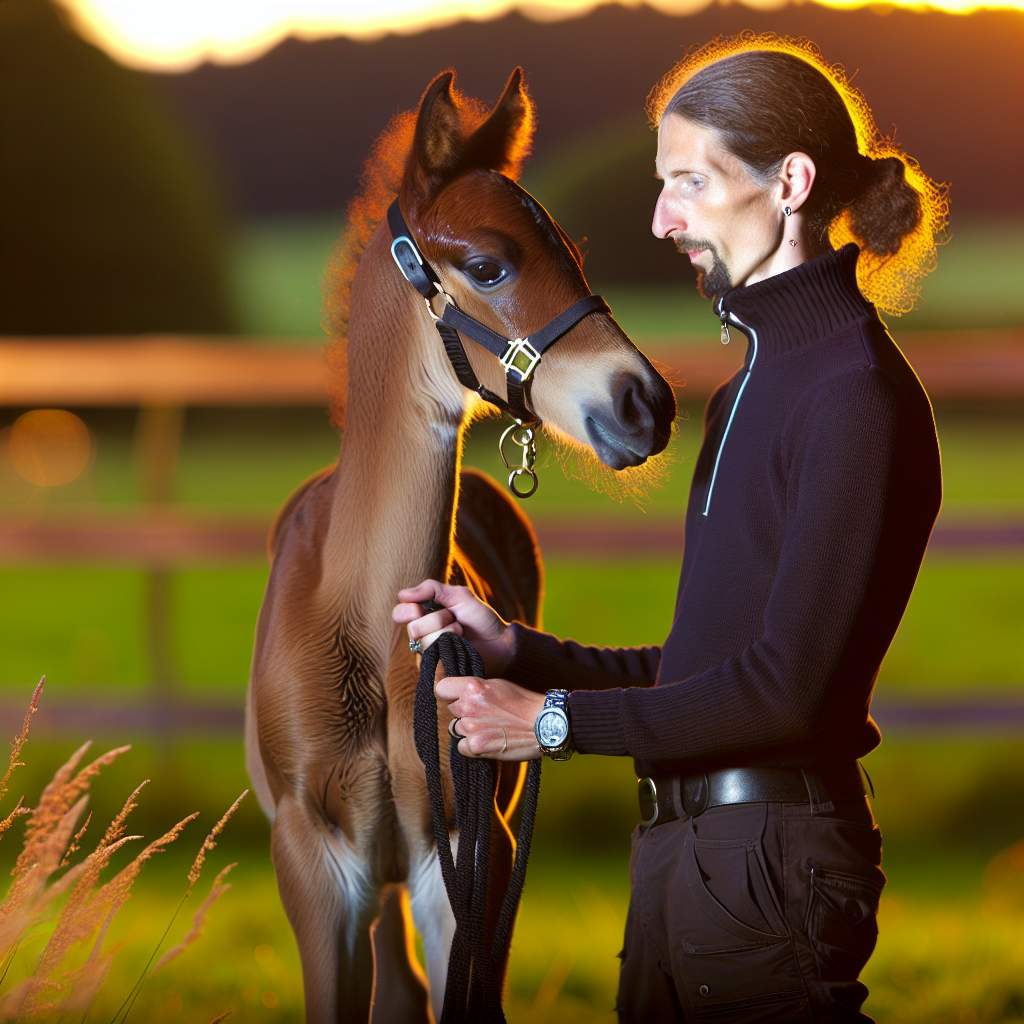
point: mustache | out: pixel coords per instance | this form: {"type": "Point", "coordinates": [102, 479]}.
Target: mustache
{"type": "Point", "coordinates": [684, 245]}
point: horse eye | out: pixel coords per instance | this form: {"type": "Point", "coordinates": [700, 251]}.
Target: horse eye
{"type": "Point", "coordinates": [486, 272]}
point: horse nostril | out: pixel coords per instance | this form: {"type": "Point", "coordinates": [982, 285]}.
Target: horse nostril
{"type": "Point", "coordinates": [632, 406]}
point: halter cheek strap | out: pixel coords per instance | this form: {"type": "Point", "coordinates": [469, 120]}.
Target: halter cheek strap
{"type": "Point", "coordinates": [519, 356]}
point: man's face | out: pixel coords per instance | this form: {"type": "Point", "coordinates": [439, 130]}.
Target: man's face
{"type": "Point", "coordinates": [711, 207]}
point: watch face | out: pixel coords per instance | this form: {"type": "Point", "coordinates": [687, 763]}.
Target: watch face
{"type": "Point", "coordinates": [552, 728]}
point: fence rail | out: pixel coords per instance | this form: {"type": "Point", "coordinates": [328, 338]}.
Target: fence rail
{"type": "Point", "coordinates": [162, 375]}
{"type": "Point", "coordinates": [188, 371]}
{"type": "Point", "coordinates": [103, 713]}
{"type": "Point", "coordinates": [166, 539]}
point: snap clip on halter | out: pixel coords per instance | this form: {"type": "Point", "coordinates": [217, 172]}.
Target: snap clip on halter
{"type": "Point", "coordinates": [522, 436]}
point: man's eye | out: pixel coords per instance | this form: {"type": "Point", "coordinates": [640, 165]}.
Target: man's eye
{"type": "Point", "coordinates": [486, 272]}
{"type": "Point", "coordinates": [695, 182]}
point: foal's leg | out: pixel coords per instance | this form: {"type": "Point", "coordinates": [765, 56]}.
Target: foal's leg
{"type": "Point", "coordinates": [399, 987]}
{"type": "Point", "coordinates": [433, 913]}
{"type": "Point", "coordinates": [434, 919]}
{"type": "Point", "coordinates": [326, 894]}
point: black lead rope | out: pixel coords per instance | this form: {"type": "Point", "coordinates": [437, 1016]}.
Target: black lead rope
{"type": "Point", "coordinates": [473, 987]}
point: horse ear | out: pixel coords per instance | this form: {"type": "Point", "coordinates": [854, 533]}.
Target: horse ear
{"type": "Point", "coordinates": [437, 143]}
{"type": "Point", "coordinates": [503, 141]}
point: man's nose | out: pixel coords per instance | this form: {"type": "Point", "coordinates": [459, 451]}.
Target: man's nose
{"type": "Point", "coordinates": [666, 220]}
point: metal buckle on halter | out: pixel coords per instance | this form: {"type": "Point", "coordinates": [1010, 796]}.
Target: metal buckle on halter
{"type": "Point", "coordinates": [413, 270]}
{"type": "Point", "coordinates": [520, 356]}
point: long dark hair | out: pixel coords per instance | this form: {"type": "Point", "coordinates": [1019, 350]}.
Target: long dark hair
{"type": "Point", "coordinates": [767, 96]}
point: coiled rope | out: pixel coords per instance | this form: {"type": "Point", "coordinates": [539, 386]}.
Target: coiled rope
{"type": "Point", "coordinates": [473, 987]}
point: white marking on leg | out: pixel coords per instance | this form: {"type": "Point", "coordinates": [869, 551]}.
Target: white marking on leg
{"type": "Point", "coordinates": [351, 875]}
{"type": "Point", "coordinates": [434, 920]}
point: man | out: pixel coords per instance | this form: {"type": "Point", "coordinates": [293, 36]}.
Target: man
{"type": "Point", "coordinates": [756, 872]}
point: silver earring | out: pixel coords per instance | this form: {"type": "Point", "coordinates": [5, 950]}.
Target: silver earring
{"type": "Point", "coordinates": [786, 210]}
{"type": "Point", "coordinates": [792, 241]}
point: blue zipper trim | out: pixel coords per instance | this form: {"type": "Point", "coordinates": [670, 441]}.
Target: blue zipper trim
{"type": "Point", "coordinates": [735, 405]}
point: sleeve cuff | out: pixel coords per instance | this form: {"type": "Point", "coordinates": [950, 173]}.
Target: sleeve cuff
{"type": "Point", "coordinates": [532, 657]}
{"type": "Point", "coordinates": [596, 721]}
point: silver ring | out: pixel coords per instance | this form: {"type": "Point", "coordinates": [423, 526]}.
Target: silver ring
{"type": "Point", "coordinates": [415, 646]}
{"type": "Point", "coordinates": [504, 736]}
{"type": "Point", "coordinates": [451, 729]}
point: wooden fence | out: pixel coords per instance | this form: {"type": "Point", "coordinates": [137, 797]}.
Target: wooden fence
{"type": "Point", "coordinates": [162, 376]}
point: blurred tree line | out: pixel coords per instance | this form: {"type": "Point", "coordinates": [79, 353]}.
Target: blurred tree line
{"type": "Point", "coordinates": [112, 222]}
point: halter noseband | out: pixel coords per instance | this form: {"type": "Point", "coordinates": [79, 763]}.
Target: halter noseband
{"type": "Point", "coordinates": [519, 356]}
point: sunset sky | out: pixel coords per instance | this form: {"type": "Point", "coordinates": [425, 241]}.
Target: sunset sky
{"type": "Point", "coordinates": [182, 33]}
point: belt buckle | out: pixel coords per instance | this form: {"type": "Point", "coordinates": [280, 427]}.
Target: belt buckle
{"type": "Point", "coordinates": [647, 792]}
{"type": "Point", "coordinates": [695, 791]}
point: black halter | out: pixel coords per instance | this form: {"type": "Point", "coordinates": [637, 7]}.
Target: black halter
{"type": "Point", "coordinates": [519, 356]}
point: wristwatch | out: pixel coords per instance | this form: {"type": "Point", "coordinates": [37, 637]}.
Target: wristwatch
{"type": "Point", "coordinates": [552, 726]}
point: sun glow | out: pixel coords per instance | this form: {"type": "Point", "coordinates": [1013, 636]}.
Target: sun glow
{"type": "Point", "coordinates": [176, 36]}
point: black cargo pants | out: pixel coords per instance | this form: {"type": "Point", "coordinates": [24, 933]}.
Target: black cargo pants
{"type": "Point", "coordinates": [752, 912]}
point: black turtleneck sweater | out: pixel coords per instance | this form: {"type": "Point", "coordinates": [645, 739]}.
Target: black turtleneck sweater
{"type": "Point", "coordinates": [813, 497]}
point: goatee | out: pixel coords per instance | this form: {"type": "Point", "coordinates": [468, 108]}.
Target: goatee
{"type": "Point", "coordinates": [713, 281]}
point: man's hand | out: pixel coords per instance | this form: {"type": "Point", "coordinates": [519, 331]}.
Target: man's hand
{"type": "Point", "coordinates": [495, 716]}
{"type": "Point", "coordinates": [463, 613]}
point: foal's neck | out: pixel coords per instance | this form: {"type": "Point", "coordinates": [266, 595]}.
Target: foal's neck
{"type": "Point", "coordinates": [397, 479]}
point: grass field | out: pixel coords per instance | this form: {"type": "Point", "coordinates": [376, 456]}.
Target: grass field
{"type": "Point", "coordinates": [948, 803]}
{"type": "Point", "coordinates": [936, 963]}
{"type": "Point", "coordinates": [279, 267]}
{"type": "Point", "coordinates": [948, 949]}
{"type": "Point", "coordinates": [959, 634]}
{"type": "Point", "coordinates": [949, 917]}
{"type": "Point", "coordinates": [239, 463]}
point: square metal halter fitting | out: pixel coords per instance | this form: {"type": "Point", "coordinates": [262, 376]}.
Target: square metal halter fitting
{"type": "Point", "coordinates": [520, 356]}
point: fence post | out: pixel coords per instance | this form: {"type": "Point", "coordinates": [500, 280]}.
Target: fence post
{"type": "Point", "coordinates": [157, 447]}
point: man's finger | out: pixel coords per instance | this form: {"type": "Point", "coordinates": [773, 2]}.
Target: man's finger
{"type": "Point", "coordinates": [425, 625]}
{"type": "Point", "coordinates": [406, 611]}
{"type": "Point", "coordinates": [424, 591]}
{"type": "Point", "coordinates": [426, 641]}
{"type": "Point", "coordinates": [496, 743]}
{"type": "Point", "coordinates": [452, 687]}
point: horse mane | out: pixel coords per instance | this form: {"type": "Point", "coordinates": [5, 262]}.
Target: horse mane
{"type": "Point", "coordinates": [381, 180]}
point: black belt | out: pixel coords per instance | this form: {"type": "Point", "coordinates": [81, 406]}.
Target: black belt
{"type": "Point", "coordinates": [668, 797]}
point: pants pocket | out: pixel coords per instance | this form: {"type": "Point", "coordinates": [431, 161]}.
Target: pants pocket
{"type": "Point", "coordinates": [732, 905]}
{"type": "Point", "coordinates": [732, 958]}
{"type": "Point", "coordinates": [842, 919]}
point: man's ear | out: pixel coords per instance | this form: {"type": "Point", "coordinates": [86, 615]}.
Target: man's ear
{"type": "Point", "coordinates": [503, 141]}
{"type": "Point", "coordinates": [796, 176]}
{"type": "Point", "coordinates": [438, 144]}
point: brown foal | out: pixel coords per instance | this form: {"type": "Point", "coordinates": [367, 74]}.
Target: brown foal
{"type": "Point", "coordinates": [329, 709]}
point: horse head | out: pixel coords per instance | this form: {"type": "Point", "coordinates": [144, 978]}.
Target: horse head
{"type": "Point", "coordinates": [503, 260]}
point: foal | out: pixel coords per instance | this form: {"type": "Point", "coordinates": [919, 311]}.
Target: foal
{"type": "Point", "coordinates": [329, 709]}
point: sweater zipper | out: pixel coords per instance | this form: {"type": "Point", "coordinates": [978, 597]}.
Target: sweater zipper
{"type": "Point", "coordinates": [752, 334]}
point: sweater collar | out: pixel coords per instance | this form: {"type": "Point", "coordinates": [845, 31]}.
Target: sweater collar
{"type": "Point", "coordinates": [802, 305]}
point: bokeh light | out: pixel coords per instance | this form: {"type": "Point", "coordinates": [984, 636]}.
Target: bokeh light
{"type": "Point", "coordinates": [49, 447]}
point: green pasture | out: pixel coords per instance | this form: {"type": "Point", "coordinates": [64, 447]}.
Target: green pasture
{"type": "Point", "coordinates": [246, 463]}
{"type": "Point", "coordinates": [279, 267]}
{"type": "Point", "coordinates": [938, 961]}
{"type": "Point", "coordinates": [949, 918]}
{"type": "Point", "coordinates": [84, 624]}
{"type": "Point", "coordinates": [949, 949]}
